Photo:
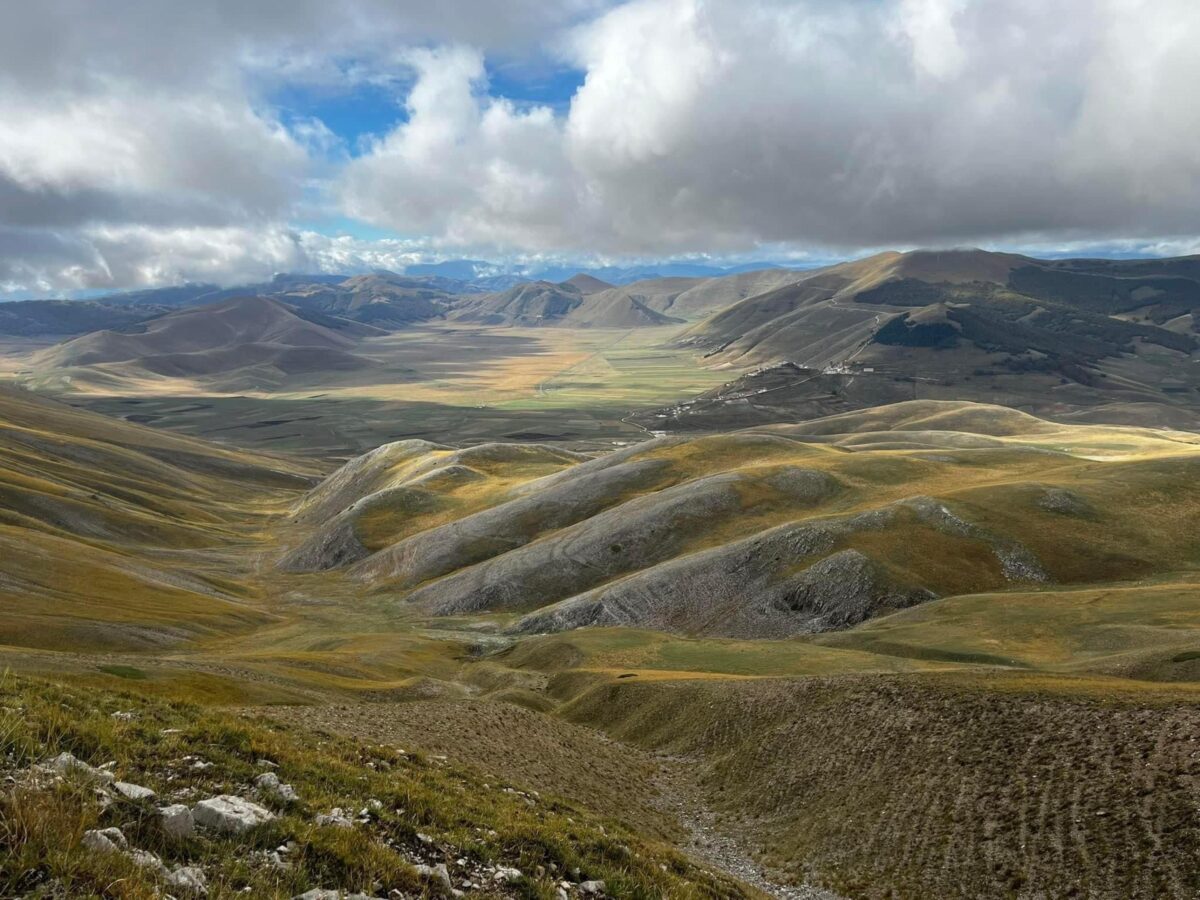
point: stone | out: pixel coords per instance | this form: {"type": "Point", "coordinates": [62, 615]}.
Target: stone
{"type": "Point", "coordinates": [506, 873]}
{"type": "Point", "coordinates": [335, 818]}
{"type": "Point", "coordinates": [176, 820]}
{"type": "Point", "coordinates": [134, 792]}
{"type": "Point", "coordinates": [189, 880]}
{"type": "Point", "coordinates": [435, 873]}
{"type": "Point", "coordinates": [229, 813]}
{"type": "Point", "coordinates": [66, 764]}
{"type": "Point", "coordinates": [105, 840]}
{"type": "Point", "coordinates": [146, 860]}
{"type": "Point", "coordinates": [593, 888]}
{"type": "Point", "coordinates": [269, 783]}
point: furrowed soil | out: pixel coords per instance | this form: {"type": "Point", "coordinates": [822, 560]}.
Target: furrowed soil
{"type": "Point", "coordinates": [928, 786]}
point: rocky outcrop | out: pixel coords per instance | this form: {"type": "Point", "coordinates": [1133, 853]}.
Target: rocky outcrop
{"type": "Point", "coordinates": [792, 579]}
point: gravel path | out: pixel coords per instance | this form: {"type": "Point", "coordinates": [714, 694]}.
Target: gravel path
{"type": "Point", "coordinates": [711, 844]}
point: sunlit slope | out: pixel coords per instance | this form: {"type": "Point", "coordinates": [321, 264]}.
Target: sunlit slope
{"type": "Point", "coordinates": [406, 487]}
{"type": "Point", "coordinates": [1146, 630]}
{"type": "Point", "coordinates": [585, 302]}
{"type": "Point", "coordinates": [776, 531]}
{"type": "Point", "coordinates": [1100, 340]}
{"type": "Point", "coordinates": [97, 521]}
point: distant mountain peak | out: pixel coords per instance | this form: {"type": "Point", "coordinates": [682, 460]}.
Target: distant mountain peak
{"type": "Point", "coordinates": [587, 284]}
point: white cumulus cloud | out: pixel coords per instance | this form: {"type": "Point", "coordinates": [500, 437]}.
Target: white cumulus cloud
{"type": "Point", "coordinates": [725, 124]}
{"type": "Point", "coordinates": [138, 141]}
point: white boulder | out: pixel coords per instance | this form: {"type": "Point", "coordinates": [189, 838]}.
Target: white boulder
{"type": "Point", "coordinates": [269, 783]}
{"type": "Point", "coordinates": [66, 764]}
{"type": "Point", "coordinates": [435, 873]}
{"type": "Point", "coordinates": [336, 818]}
{"type": "Point", "coordinates": [106, 840]}
{"type": "Point", "coordinates": [188, 880]}
{"type": "Point", "coordinates": [133, 792]}
{"type": "Point", "coordinates": [230, 813]}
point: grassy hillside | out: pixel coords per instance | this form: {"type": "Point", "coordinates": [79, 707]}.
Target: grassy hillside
{"type": "Point", "coordinates": [116, 536]}
{"type": "Point", "coordinates": [416, 810]}
{"type": "Point", "coordinates": [1048, 336]}
{"type": "Point", "coordinates": [928, 649]}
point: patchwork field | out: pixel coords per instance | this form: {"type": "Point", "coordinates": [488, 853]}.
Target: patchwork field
{"type": "Point", "coordinates": [445, 382]}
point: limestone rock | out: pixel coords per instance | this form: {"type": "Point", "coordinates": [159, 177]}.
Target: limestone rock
{"type": "Point", "coordinates": [229, 813]}
{"type": "Point", "coordinates": [106, 840]}
{"type": "Point", "coordinates": [134, 792]}
{"type": "Point", "coordinates": [269, 783]}
{"type": "Point", "coordinates": [188, 880]}
{"type": "Point", "coordinates": [436, 873]}
{"type": "Point", "coordinates": [335, 818]}
{"type": "Point", "coordinates": [176, 820]}
{"type": "Point", "coordinates": [66, 764]}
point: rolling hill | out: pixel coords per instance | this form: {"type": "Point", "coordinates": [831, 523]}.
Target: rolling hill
{"type": "Point", "coordinates": [986, 615]}
{"type": "Point", "coordinates": [233, 341]}
{"type": "Point", "coordinates": [1110, 340]}
{"type": "Point", "coordinates": [381, 299]}
{"type": "Point", "coordinates": [67, 317]}
{"type": "Point", "coordinates": [566, 305]}
{"type": "Point", "coordinates": [770, 532]}
{"type": "Point", "coordinates": [587, 302]}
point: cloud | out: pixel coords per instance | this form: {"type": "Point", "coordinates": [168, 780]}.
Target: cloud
{"type": "Point", "coordinates": [150, 123]}
{"type": "Point", "coordinates": [138, 140]}
{"type": "Point", "coordinates": [720, 125]}
{"type": "Point", "coordinates": [466, 168]}
{"type": "Point", "coordinates": [110, 258]}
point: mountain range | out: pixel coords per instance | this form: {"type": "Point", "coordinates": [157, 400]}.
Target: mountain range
{"type": "Point", "coordinates": [1091, 340]}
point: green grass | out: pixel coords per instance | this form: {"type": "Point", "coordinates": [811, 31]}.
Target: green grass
{"type": "Point", "coordinates": [1119, 629]}
{"type": "Point", "coordinates": [42, 822]}
{"type": "Point", "coordinates": [129, 672]}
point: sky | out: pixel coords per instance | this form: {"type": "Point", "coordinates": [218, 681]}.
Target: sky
{"type": "Point", "coordinates": [151, 142]}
